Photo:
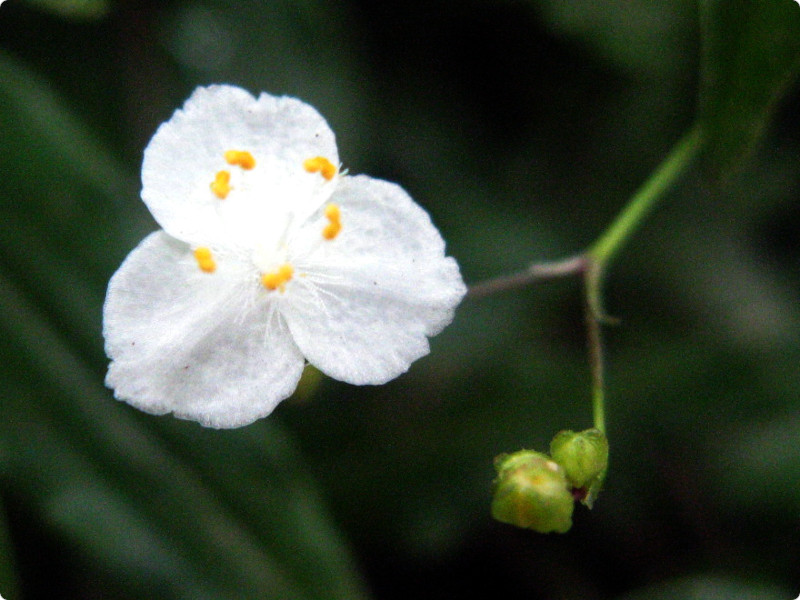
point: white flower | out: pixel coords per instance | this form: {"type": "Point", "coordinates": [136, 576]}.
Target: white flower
{"type": "Point", "coordinates": [269, 257]}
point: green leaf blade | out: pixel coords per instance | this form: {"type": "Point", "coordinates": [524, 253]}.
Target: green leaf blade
{"type": "Point", "coordinates": [750, 56]}
{"type": "Point", "coordinates": [85, 10]}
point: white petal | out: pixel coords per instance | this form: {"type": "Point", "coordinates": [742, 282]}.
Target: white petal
{"type": "Point", "coordinates": [187, 151]}
{"type": "Point", "coordinates": [206, 346]}
{"type": "Point", "coordinates": [365, 302]}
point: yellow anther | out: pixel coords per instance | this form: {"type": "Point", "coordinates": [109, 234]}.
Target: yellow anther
{"type": "Point", "coordinates": [334, 226]}
{"type": "Point", "coordinates": [331, 230]}
{"type": "Point", "coordinates": [241, 158]}
{"type": "Point", "coordinates": [333, 213]}
{"type": "Point", "coordinates": [204, 260]}
{"type": "Point", "coordinates": [321, 165]}
{"type": "Point", "coordinates": [277, 280]}
{"type": "Point", "coordinates": [221, 186]}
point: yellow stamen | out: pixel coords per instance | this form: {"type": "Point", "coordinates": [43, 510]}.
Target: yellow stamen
{"type": "Point", "coordinates": [334, 226]}
{"type": "Point", "coordinates": [241, 158]}
{"type": "Point", "coordinates": [277, 280]}
{"type": "Point", "coordinates": [332, 212]}
{"type": "Point", "coordinates": [321, 165]}
{"type": "Point", "coordinates": [221, 184]}
{"type": "Point", "coordinates": [204, 259]}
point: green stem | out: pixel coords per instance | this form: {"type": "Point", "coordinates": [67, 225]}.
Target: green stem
{"type": "Point", "coordinates": [600, 254]}
{"type": "Point", "coordinates": [594, 261]}
{"type": "Point", "coordinates": [594, 342]}
{"type": "Point", "coordinates": [535, 272]}
{"type": "Point", "coordinates": [612, 239]}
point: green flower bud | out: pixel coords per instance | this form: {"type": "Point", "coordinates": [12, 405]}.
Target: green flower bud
{"type": "Point", "coordinates": [531, 491]}
{"type": "Point", "coordinates": [309, 384]}
{"type": "Point", "coordinates": [583, 456]}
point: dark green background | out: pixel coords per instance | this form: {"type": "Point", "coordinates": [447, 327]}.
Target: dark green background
{"type": "Point", "coordinates": [523, 127]}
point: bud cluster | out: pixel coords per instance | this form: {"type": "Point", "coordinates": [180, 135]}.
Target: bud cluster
{"type": "Point", "coordinates": [536, 491]}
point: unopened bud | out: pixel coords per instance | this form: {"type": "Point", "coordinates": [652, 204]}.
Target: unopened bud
{"type": "Point", "coordinates": [309, 384]}
{"type": "Point", "coordinates": [583, 456]}
{"type": "Point", "coordinates": [531, 491]}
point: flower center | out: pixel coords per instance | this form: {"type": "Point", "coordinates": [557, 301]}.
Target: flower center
{"type": "Point", "coordinates": [277, 279]}
{"type": "Point", "coordinates": [270, 261]}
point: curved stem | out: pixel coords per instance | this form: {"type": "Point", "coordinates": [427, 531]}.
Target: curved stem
{"type": "Point", "coordinates": [600, 254]}
{"type": "Point", "coordinates": [593, 262]}
{"type": "Point", "coordinates": [605, 248]}
{"type": "Point", "coordinates": [646, 197]}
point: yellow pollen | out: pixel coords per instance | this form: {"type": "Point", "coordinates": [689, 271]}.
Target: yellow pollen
{"type": "Point", "coordinates": [334, 225]}
{"type": "Point", "coordinates": [332, 212]}
{"type": "Point", "coordinates": [321, 165]}
{"type": "Point", "coordinates": [221, 186]}
{"type": "Point", "coordinates": [204, 260]}
{"type": "Point", "coordinates": [241, 158]}
{"type": "Point", "coordinates": [277, 280]}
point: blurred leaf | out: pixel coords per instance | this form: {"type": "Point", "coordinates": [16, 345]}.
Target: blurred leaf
{"type": "Point", "coordinates": [8, 576]}
{"type": "Point", "coordinates": [708, 587]}
{"type": "Point", "coordinates": [639, 35]}
{"type": "Point", "coordinates": [752, 464]}
{"type": "Point", "coordinates": [40, 138]}
{"type": "Point", "coordinates": [74, 9]}
{"type": "Point", "coordinates": [64, 205]}
{"type": "Point", "coordinates": [160, 507]}
{"type": "Point", "coordinates": [270, 491]}
{"type": "Point", "coordinates": [751, 53]}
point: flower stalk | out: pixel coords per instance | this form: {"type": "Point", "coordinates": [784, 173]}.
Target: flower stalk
{"type": "Point", "coordinates": [605, 249]}
{"type": "Point", "coordinates": [644, 200]}
{"type": "Point", "coordinates": [592, 264]}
